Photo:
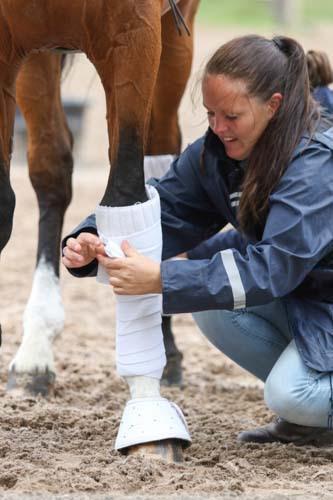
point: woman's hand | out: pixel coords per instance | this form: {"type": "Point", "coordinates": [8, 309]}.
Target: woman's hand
{"type": "Point", "coordinates": [82, 250]}
{"type": "Point", "coordinates": [134, 274]}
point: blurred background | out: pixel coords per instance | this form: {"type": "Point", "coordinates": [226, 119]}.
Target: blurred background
{"type": "Point", "coordinates": [310, 21]}
{"type": "Point", "coordinates": [265, 13]}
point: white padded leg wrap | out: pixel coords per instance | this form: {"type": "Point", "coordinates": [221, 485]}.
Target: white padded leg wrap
{"type": "Point", "coordinates": [151, 419]}
{"type": "Point", "coordinates": [139, 339]}
{"type": "Point", "coordinates": [157, 166]}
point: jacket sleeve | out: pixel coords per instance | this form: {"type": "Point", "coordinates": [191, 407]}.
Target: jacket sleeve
{"type": "Point", "coordinates": [187, 213]}
{"type": "Point", "coordinates": [297, 235]}
{"type": "Point", "coordinates": [88, 226]}
{"type": "Point", "coordinates": [220, 241]}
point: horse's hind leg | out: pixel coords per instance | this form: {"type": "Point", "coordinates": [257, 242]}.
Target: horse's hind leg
{"type": "Point", "coordinates": [174, 71]}
{"type": "Point", "coordinates": [50, 168]}
{"type": "Point", "coordinates": [165, 136]}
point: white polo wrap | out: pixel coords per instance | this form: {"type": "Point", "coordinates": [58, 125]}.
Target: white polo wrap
{"type": "Point", "coordinates": [139, 340]}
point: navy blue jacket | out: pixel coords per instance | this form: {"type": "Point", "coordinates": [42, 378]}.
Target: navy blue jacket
{"type": "Point", "coordinates": [293, 260]}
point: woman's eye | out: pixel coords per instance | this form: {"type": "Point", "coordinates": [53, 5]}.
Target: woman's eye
{"type": "Point", "coordinates": [231, 117]}
{"type": "Point", "coordinates": [210, 114]}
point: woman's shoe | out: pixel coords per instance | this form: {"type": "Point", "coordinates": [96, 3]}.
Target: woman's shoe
{"type": "Point", "coordinates": [284, 432]}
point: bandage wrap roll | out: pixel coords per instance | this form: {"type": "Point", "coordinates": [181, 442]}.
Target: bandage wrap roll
{"type": "Point", "coordinates": [139, 340]}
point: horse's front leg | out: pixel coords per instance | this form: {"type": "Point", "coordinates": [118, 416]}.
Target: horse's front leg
{"type": "Point", "coordinates": [50, 167]}
{"type": "Point", "coordinates": [131, 211]}
{"type": "Point", "coordinates": [7, 114]}
{"type": "Point", "coordinates": [7, 197]}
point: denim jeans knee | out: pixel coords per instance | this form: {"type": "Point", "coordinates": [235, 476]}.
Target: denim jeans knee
{"type": "Point", "coordinates": [296, 392]}
{"type": "Point", "coordinates": [247, 336]}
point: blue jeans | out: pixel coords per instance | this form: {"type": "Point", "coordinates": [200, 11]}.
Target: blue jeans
{"type": "Point", "coordinates": [259, 339]}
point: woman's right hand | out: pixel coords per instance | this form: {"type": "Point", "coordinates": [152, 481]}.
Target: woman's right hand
{"type": "Point", "coordinates": [82, 250]}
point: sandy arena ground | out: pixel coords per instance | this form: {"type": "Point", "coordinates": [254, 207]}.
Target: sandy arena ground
{"type": "Point", "coordinates": [63, 448]}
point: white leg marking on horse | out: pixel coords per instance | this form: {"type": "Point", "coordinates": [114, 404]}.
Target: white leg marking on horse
{"type": "Point", "coordinates": [143, 387]}
{"type": "Point", "coordinates": [43, 319]}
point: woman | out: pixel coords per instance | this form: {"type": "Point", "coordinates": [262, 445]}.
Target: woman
{"type": "Point", "coordinates": [321, 76]}
{"type": "Point", "coordinates": [261, 293]}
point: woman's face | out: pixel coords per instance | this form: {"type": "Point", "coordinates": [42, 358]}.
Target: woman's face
{"type": "Point", "coordinates": [235, 117]}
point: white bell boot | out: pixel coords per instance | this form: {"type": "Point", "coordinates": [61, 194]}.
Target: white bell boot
{"type": "Point", "coordinates": [139, 339]}
{"type": "Point", "coordinates": [148, 417]}
{"type": "Point", "coordinates": [147, 420]}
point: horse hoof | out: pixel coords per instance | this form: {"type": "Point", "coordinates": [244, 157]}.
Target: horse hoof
{"type": "Point", "coordinates": [169, 450]}
{"type": "Point", "coordinates": [173, 371]}
{"type": "Point", "coordinates": [155, 427]}
{"type": "Point", "coordinates": [31, 384]}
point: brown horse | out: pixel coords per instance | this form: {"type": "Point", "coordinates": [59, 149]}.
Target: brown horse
{"type": "Point", "coordinates": [143, 65]}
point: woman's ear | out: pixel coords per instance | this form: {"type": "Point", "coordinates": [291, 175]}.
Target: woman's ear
{"type": "Point", "coordinates": [274, 103]}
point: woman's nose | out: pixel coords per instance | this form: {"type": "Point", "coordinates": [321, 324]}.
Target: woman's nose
{"type": "Point", "coordinates": [219, 126]}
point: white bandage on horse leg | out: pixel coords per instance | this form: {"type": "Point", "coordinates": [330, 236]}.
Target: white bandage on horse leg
{"type": "Point", "coordinates": [139, 339]}
{"type": "Point", "coordinates": [157, 166]}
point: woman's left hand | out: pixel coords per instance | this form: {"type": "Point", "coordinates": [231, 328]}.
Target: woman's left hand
{"type": "Point", "coordinates": [134, 274]}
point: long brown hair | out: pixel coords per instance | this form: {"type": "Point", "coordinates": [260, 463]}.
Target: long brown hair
{"type": "Point", "coordinates": [319, 67]}
{"type": "Point", "coordinates": [266, 67]}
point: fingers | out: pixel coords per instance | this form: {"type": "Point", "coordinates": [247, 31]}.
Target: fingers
{"type": "Point", "coordinates": [121, 289]}
{"type": "Point", "coordinates": [92, 241]}
{"type": "Point", "coordinates": [110, 263]}
{"type": "Point", "coordinates": [71, 263]}
{"type": "Point", "coordinates": [83, 241]}
{"type": "Point", "coordinates": [118, 277]}
{"type": "Point", "coordinates": [115, 282]}
{"type": "Point", "coordinates": [82, 250]}
{"type": "Point", "coordinates": [72, 244]}
{"type": "Point", "coordinates": [128, 250]}
{"type": "Point", "coordinates": [71, 257]}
